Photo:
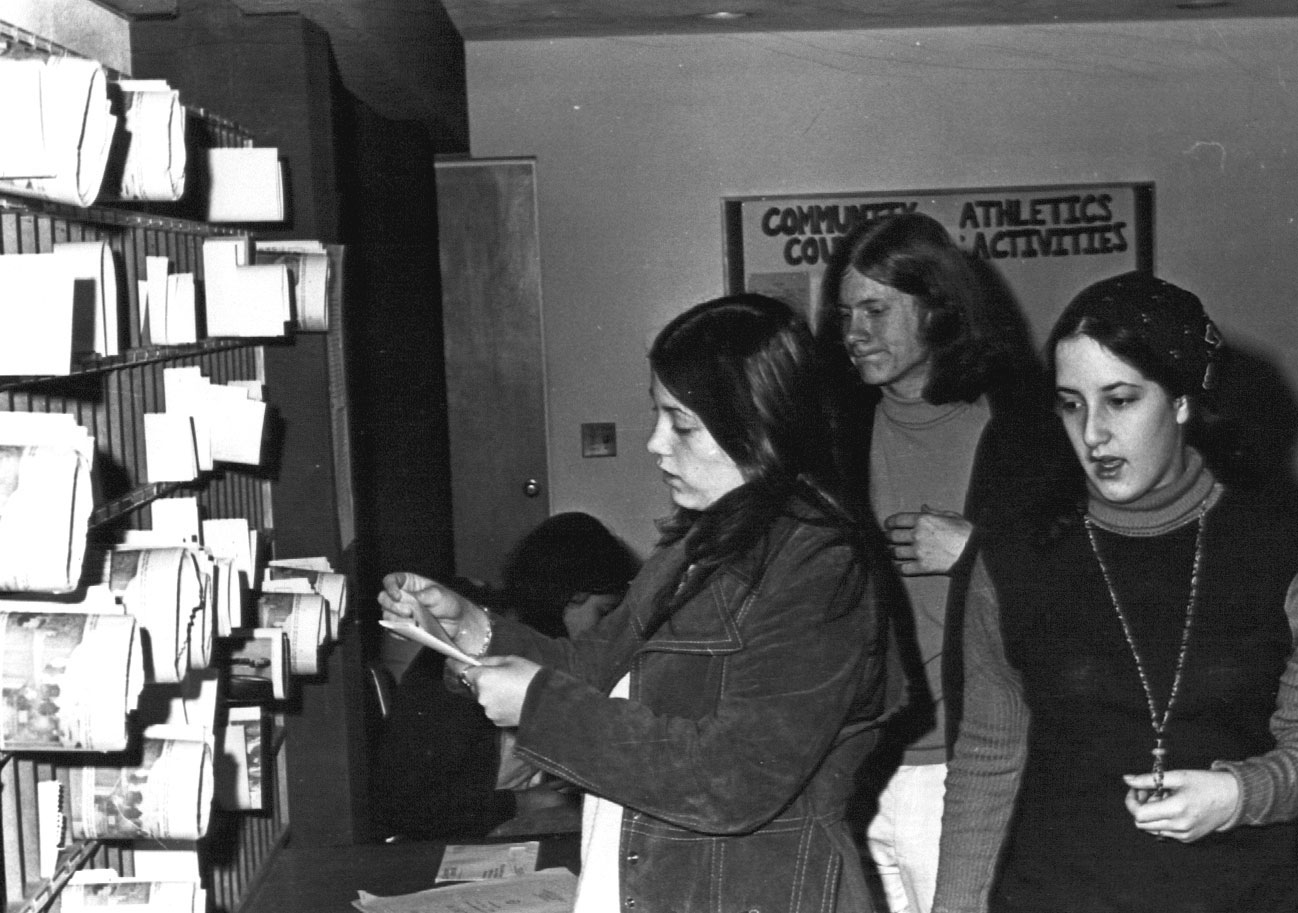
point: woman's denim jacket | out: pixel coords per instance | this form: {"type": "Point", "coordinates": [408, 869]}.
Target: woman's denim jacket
{"type": "Point", "coordinates": [749, 713]}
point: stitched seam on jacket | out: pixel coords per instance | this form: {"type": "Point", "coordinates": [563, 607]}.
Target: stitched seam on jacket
{"type": "Point", "coordinates": [800, 870]}
{"type": "Point", "coordinates": [831, 877]}
{"type": "Point", "coordinates": [718, 872]}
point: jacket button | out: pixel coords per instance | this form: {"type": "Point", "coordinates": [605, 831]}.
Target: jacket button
{"type": "Point", "coordinates": [630, 902]}
{"type": "Point", "coordinates": [632, 858]}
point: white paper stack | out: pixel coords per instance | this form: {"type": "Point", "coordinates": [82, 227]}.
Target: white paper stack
{"type": "Point", "coordinates": [246, 185]}
{"type": "Point", "coordinates": [309, 269]}
{"type": "Point", "coordinates": [185, 391]}
{"type": "Point", "coordinates": [168, 305]}
{"type": "Point", "coordinates": [95, 300]}
{"type": "Point", "coordinates": [156, 156]}
{"type": "Point", "coordinates": [36, 315]}
{"type": "Point", "coordinates": [170, 447]}
{"type": "Point", "coordinates": [240, 297]}
{"type": "Point", "coordinates": [45, 501]}
{"type": "Point", "coordinates": [58, 128]}
{"type": "Point", "coordinates": [175, 520]}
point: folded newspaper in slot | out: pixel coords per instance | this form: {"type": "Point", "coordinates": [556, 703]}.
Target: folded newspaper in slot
{"type": "Point", "coordinates": [166, 795]}
{"type": "Point", "coordinates": [259, 665]}
{"type": "Point", "coordinates": [287, 575]}
{"type": "Point", "coordinates": [304, 617]}
{"type": "Point", "coordinates": [163, 589]}
{"type": "Point", "coordinates": [70, 680]}
{"type": "Point", "coordinates": [75, 127]}
{"type": "Point", "coordinates": [156, 156]}
{"type": "Point", "coordinates": [243, 766]}
{"type": "Point", "coordinates": [138, 894]}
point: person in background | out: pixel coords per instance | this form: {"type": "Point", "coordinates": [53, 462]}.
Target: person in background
{"type": "Point", "coordinates": [945, 417]}
{"type": "Point", "coordinates": [445, 771]}
{"type": "Point", "coordinates": [715, 718]}
{"type": "Point", "coordinates": [1130, 735]}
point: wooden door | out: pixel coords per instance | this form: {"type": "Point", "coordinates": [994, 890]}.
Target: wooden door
{"type": "Point", "coordinates": [495, 383]}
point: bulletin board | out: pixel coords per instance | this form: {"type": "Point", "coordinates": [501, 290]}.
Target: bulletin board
{"type": "Point", "coordinates": [1045, 243]}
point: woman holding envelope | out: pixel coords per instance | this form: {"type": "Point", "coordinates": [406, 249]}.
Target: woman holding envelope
{"type": "Point", "coordinates": [717, 716]}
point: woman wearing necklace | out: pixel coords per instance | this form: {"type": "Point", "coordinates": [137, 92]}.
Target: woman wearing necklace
{"type": "Point", "coordinates": [1130, 736]}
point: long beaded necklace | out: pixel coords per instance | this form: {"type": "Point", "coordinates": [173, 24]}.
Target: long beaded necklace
{"type": "Point", "coordinates": [1156, 720]}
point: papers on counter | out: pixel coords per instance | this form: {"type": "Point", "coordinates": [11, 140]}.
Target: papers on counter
{"type": "Point", "coordinates": [547, 891]}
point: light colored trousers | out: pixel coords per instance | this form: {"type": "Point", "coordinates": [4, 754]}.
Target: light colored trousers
{"type": "Point", "coordinates": [904, 836]}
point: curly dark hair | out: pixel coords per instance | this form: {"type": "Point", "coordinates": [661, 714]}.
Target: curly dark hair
{"type": "Point", "coordinates": [974, 341]}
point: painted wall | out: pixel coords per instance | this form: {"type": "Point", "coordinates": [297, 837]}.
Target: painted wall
{"type": "Point", "coordinates": [78, 25]}
{"type": "Point", "coordinates": [639, 139]}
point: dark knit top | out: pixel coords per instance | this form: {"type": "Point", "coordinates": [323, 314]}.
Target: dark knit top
{"type": "Point", "coordinates": [1056, 714]}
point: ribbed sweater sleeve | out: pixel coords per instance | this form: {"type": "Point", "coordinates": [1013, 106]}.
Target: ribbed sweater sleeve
{"type": "Point", "coordinates": [1268, 783]}
{"type": "Point", "coordinates": [985, 769]}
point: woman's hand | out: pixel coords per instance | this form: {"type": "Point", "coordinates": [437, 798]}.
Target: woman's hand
{"type": "Point", "coordinates": [1197, 802]}
{"type": "Point", "coordinates": [928, 542]}
{"type": "Point", "coordinates": [500, 685]}
{"type": "Point", "coordinates": [410, 597]}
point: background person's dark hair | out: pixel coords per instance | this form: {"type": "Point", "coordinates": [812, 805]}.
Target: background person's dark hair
{"type": "Point", "coordinates": [968, 345]}
{"type": "Point", "coordinates": [567, 554]}
{"type": "Point", "coordinates": [747, 366]}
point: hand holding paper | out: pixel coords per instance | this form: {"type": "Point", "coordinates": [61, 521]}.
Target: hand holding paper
{"type": "Point", "coordinates": [439, 642]}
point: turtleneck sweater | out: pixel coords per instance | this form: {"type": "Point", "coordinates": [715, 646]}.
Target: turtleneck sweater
{"type": "Point", "coordinates": [985, 774]}
{"type": "Point", "coordinates": [922, 456]}
{"type": "Point", "coordinates": [1163, 509]}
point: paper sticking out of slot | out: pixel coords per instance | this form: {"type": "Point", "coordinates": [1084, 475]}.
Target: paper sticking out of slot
{"type": "Point", "coordinates": [417, 634]}
{"type": "Point", "coordinates": [246, 185]}
{"type": "Point", "coordinates": [304, 618]}
{"type": "Point", "coordinates": [78, 677]}
{"type": "Point", "coordinates": [241, 298]}
{"type": "Point", "coordinates": [63, 136]}
{"type": "Point", "coordinates": [51, 824]}
{"type": "Point", "coordinates": [45, 501]}
{"type": "Point", "coordinates": [259, 663]}
{"type": "Point", "coordinates": [156, 156]}
{"type": "Point", "coordinates": [36, 311]}
{"type": "Point", "coordinates": [170, 447]}
{"type": "Point", "coordinates": [95, 299]}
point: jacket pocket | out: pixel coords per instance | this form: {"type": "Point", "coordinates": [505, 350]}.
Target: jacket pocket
{"type": "Point", "coordinates": [788, 866]}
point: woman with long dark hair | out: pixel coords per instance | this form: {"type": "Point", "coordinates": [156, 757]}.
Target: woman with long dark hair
{"type": "Point", "coordinates": [716, 717]}
{"type": "Point", "coordinates": [1130, 734]}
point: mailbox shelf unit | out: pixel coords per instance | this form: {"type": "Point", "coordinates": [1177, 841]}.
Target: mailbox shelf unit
{"type": "Point", "coordinates": [109, 396]}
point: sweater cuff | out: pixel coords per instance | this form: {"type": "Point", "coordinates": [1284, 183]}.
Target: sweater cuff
{"type": "Point", "coordinates": [1246, 788]}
